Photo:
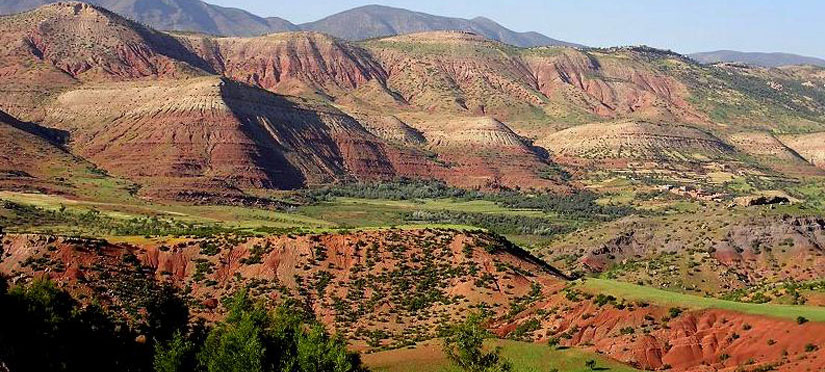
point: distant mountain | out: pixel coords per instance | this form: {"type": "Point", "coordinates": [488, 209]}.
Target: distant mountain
{"type": "Point", "coordinates": [356, 24]}
{"type": "Point", "coordinates": [373, 21]}
{"type": "Point", "coordinates": [184, 15]}
{"type": "Point", "coordinates": [757, 59]}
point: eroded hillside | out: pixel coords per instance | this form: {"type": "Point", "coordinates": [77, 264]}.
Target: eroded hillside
{"type": "Point", "coordinates": [152, 107]}
{"type": "Point", "coordinates": [392, 288]}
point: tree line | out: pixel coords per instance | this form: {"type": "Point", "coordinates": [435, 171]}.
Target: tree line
{"type": "Point", "coordinates": [43, 328]}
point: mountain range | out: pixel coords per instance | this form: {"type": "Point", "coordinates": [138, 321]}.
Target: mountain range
{"type": "Point", "coordinates": [757, 59]}
{"type": "Point", "coordinates": [356, 24]}
{"type": "Point", "coordinates": [361, 23]}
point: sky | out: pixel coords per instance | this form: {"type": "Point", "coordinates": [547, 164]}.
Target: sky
{"type": "Point", "coordinates": [685, 26]}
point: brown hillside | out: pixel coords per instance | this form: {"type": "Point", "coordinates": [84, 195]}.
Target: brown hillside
{"type": "Point", "coordinates": [610, 84]}
{"type": "Point", "coordinates": [771, 151]}
{"type": "Point", "coordinates": [636, 141]}
{"type": "Point", "coordinates": [705, 256]}
{"type": "Point", "coordinates": [180, 132]}
{"type": "Point", "coordinates": [210, 134]}
{"type": "Point", "coordinates": [406, 284]}
{"type": "Point", "coordinates": [391, 129]}
{"type": "Point", "coordinates": [202, 140]}
{"type": "Point", "coordinates": [32, 158]}
{"type": "Point", "coordinates": [87, 42]}
{"type": "Point", "coordinates": [291, 63]}
{"type": "Point", "coordinates": [810, 146]}
{"type": "Point", "coordinates": [486, 152]}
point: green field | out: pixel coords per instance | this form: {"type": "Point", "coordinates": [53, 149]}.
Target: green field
{"type": "Point", "coordinates": [339, 213]}
{"type": "Point", "coordinates": [526, 357]}
{"type": "Point", "coordinates": [667, 298]}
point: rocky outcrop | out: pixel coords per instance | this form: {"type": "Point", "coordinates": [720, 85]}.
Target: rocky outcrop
{"type": "Point", "coordinates": [490, 153]}
{"type": "Point", "coordinates": [89, 43]}
{"type": "Point", "coordinates": [609, 86]}
{"type": "Point", "coordinates": [650, 338]}
{"type": "Point", "coordinates": [473, 132]}
{"type": "Point", "coordinates": [57, 59]}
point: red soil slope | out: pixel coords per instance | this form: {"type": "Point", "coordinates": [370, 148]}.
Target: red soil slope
{"type": "Point", "coordinates": [31, 157]}
{"type": "Point", "coordinates": [399, 286]}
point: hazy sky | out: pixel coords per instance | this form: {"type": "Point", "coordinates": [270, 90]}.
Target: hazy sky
{"type": "Point", "coordinates": [795, 26]}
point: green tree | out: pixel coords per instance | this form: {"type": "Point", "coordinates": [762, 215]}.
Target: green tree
{"type": "Point", "coordinates": [44, 329]}
{"type": "Point", "coordinates": [465, 348]}
{"type": "Point", "coordinates": [252, 339]}
{"type": "Point", "coordinates": [176, 355]}
{"type": "Point", "coordinates": [237, 345]}
{"type": "Point", "coordinates": [318, 351]}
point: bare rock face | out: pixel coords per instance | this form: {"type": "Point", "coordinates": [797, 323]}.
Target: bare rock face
{"type": "Point", "coordinates": [160, 109]}
{"type": "Point", "coordinates": [60, 46]}
{"type": "Point", "coordinates": [486, 153]}
{"type": "Point", "coordinates": [609, 86]}
{"type": "Point", "coordinates": [697, 341]}
{"type": "Point", "coordinates": [291, 63]}
{"type": "Point", "coordinates": [456, 72]}
{"type": "Point", "coordinates": [57, 63]}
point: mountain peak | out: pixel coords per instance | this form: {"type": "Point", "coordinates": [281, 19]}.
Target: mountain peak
{"type": "Point", "coordinates": [179, 15]}
{"type": "Point", "coordinates": [374, 21]}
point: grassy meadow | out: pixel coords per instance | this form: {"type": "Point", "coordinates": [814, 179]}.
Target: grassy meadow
{"type": "Point", "coordinates": [665, 298]}
{"type": "Point", "coordinates": [525, 356]}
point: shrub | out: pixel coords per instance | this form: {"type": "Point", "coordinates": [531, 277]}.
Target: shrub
{"type": "Point", "coordinates": [464, 348]}
{"type": "Point", "coordinates": [674, 312]}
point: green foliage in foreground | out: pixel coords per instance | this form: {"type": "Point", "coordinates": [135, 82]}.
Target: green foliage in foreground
{"type": "Point", "coordinates": [464, 348]}
{"type": "Point", "coordinates": [44, 329]}
{"type": "Point", "coordinates": [251, 339]}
